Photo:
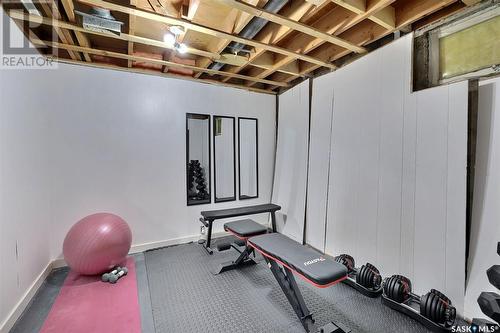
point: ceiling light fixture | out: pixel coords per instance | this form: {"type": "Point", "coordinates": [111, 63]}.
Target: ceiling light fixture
{"type": "Point", "coordinates": [171, 38]}
{"type": "Point", "coordinates": [182, 48]}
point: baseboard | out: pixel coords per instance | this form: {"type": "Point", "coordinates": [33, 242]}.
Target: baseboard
{"type": "Point", "coordinates": [12, 317]}
{"type": "Point", "coordinates": [59, 262]}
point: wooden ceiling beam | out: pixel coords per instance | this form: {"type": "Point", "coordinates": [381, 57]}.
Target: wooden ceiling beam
{"type": "Point", "coordinates": [298, 11]}
{"type": "Point", "coordinates": [240, 22]}
{"type": "Point", "coordinates": [52, 12]}
{"type": "Point", "coordinates": [150, 60]}
{"type": "Point", "coordinates": [384, 17]}
{"type": "Point", "coordinates": [282, 20]}
{"type": "Point", "coordinates": [126, 37]}
{"type": "Point", "coordinates": [218, 45]}
{"type": "Point", "coordinates": [410, 11]}
{"type": "Point", "coordinates": [80, 37]}
{"type": "Point", "coordinates": [335, 23]}
{"type": "Point", "coordinates": [407, 13]}
{"type": "Point", "coordinates": [161, 74]}
{"type": "Point", "coordinates": [131, 31]}
{"type": "Point", "coordinates": [204, 29]}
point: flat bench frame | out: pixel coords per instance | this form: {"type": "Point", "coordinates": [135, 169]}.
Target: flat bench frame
{"type": "Point", "coordinates": [208, 218]}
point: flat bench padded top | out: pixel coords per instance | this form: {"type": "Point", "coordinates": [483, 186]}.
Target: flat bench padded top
{"type": "Point", "coordinates": [312, 265]}
{"type": "Point", "coordinates": [240, 211]}
{"type": "Point", "coordinates": [245, 228]}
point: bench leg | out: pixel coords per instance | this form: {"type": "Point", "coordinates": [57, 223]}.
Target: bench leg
{"type": "Point", "coordinates": [209, 238]}
{"type": "Point", "coordinates": [242, 260]}
{"type": "Point", "coordinates": [287, 282]}
{"type": "Point", "coordinates": [291, 290]}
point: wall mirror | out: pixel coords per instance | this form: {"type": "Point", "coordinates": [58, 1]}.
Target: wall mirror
{"type": "Point", "coordinates": [198, 159]}
{"type": "Point", "coordinates": [248, 153]}
{"type": "Point", "coordinates": [224, 136]}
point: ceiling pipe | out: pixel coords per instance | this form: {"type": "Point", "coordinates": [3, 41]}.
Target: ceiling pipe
{"type": "Point", "coordinates": [251, 30]}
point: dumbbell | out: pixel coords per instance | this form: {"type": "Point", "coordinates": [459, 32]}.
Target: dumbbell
{"type": "Point", "coordinates": [347, 261]}
{"type": "Point", "coordinates": [490, 305]}
{"type": "Point", "coordinates": [369, 277]}
{"type": "Point", "coordinates": [397, 288]}
{"type": "Point", "coordinates": [437, 307]}
{"type": "Point", "coordinates": [121, 273]}
{"type": "Point", "coordinates": [494, 275]}
{"type": "Point", "coordinates": [105, 277]}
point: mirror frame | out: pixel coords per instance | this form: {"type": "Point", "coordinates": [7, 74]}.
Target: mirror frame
{"type": "Point", "coordinates": [209, 180]}
{"type": "Point", "coordinates": [256, 160]}
{"type": "Point", "coordinates": [233, 198]}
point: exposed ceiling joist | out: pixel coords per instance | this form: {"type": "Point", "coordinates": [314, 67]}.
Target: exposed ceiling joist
{"type": "Point", "coordinates": [149, 60]}
{"type": "Point", "coordinates": [80, 37]}
{"type": "Point", "coordinates": [384, 17]}
{"type": "Point", "coordinates": [131, 31]}
{"type": "Point", "coordinates": [51, 11]}
{"type": "Point", "coordinates": [205, 30]}
{"type": "Point", "coordinates": [293, 41]}
{"type": "Point", "coordinates": [284, 21]}
{"type": "Point", "coordinates": [126, 37]}
{"type": "Point", "coordinates": [297, 11]}
{"type": "Point", "coordinates": [161, 74]}
{"type": "Point", "coordinates": [407, 13]}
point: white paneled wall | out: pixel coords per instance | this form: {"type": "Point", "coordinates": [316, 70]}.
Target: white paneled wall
{"type": "Point", "coordinates": [485, 230]}
{"type": "Point", "coordinates": [319, 164]}
{"type": "Point", "coordinates": [397, 171]}
{"type": "Point", "coordinates": [289, 187]}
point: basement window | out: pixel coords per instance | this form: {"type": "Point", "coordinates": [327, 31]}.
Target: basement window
{"type": "Point", "coordinates": [463, 47]}
{"type": "Point", "coordinates": [470, 50]}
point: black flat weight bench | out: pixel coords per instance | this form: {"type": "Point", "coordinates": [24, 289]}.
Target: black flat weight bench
{"type": "Point", "coordinates": [242, 230]}
{"type": "Point", "coordinates": [310, 265]}
{"type": "Point", "coordinates": [208, 217]}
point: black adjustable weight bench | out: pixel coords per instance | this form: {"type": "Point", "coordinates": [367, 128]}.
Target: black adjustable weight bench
{"type": "Point", "coordinates": [210, 216]}
{"type": "Point", "coordinates": [242, 229]}
{"type": "Point", "coordinates": [311, 266]}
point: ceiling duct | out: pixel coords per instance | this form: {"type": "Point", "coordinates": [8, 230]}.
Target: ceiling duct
{"type": "Point", "coordinates": [251, 30]}
{"type": "Point", "coordinates": [100, 20]}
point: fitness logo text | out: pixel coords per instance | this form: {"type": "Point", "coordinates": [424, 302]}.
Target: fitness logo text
{"type": "Point", "coordinates": [313, 261]}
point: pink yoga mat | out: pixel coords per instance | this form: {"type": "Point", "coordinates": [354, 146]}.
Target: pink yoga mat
{"type": "Point", "coordinates": [86, 304]}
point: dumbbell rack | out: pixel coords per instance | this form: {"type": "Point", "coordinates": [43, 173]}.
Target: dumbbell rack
{"type": "Point", "coordinates": [351, 281]}
{"type": "Point", "coordinates": [411, 308]}
{"type": "Point", "coordinates": [352, 276]}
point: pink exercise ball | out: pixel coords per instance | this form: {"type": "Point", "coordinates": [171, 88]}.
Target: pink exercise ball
{"type": "Point", "coordinates": [97, 243]}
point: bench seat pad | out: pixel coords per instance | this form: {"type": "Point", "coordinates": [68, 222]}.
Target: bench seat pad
{"type": "Point", "coordinates": [245, 228]}
{"type": "Point", "coordinates": [311, 265]}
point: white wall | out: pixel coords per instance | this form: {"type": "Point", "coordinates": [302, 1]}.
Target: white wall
{"type": "Point", "coordinates": [291, 161]}
{"type": "Point", "coordinates": [24, 188]}
{"type": "Point", "coordinates": [396, 193]}
{"type": "Point", "coordinates": [319, 163]}
{"type": "Point", "coordinates": [485, 231]}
